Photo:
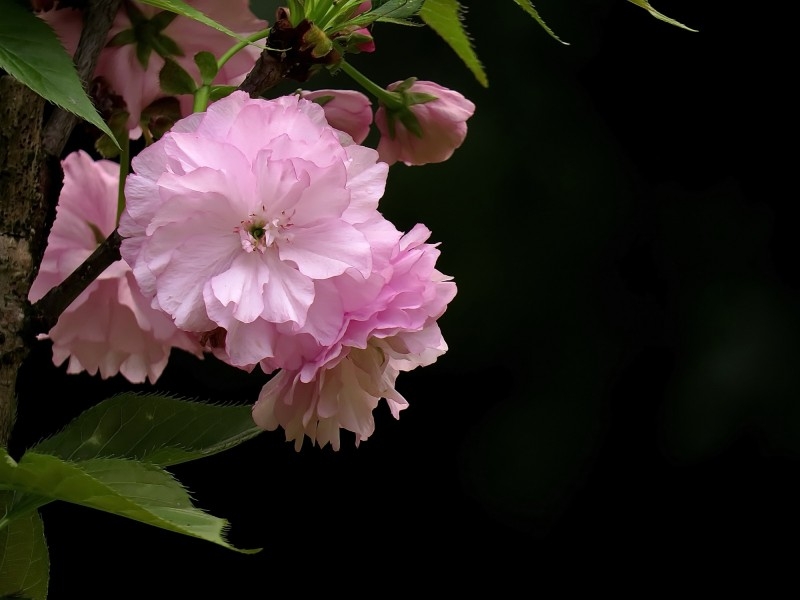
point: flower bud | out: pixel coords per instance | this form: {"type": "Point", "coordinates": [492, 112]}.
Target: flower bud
{"type": "Point", "coordinates": [426, 126]}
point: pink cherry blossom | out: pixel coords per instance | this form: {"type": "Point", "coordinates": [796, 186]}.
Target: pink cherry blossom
{"type": "Point", "coordinates": [346, 110]}
{"type": "Point", "coordinates": [239, 215]}
{"type": "Point", "coordinates": [138, 86]}
{"type": "Point", "coordinates": [442, 122]}
{"type": "Point", "coordinates": [394, 330]}
{"type": "Point", "coordinates": [370, 45]}
{"type": "Point", "coordinates": [110, 327]}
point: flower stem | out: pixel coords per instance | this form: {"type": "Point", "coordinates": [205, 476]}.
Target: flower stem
{"type": "Point", "coordinates": [201, 98]}
{"type": "Point", "coordinates": [238, 46]}
{"type": "Point", "coordinates": [391, 100]}
{"type": "Point", "coordinates": [124, 167]}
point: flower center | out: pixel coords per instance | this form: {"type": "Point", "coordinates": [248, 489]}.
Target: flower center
{"type": "Point", "coordinates": [259, 232]}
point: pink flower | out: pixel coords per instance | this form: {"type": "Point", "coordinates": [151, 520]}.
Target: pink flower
{"type": "Point", "coordinates": [370, 45]}
{"type": "Point", "coordinates": [346, 110]}
{"type": "Point", "coordinates": [393, 330]}
{"type": "Point", "coordinates": [120, 65]}
{"type": "Point", "coordinates": [110, 327]}
{"type": "Point", "coordinates": [441, 125]}
{"type": "Point", "coordinates": [238, 215]}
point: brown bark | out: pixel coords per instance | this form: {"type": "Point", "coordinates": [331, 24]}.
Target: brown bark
{"type": "Point", "coordinates": [23, 218]}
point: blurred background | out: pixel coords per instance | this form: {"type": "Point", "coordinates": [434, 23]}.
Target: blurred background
{"type": "Point", "coordinates": [621, 389]}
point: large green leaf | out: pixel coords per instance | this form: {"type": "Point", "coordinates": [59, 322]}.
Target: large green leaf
{"type": "Point", "coordinates": [151, 428]}
{"type": "Point", "coordinates": [181, 8]}
{"type": "Point", "coordinates": [396, 9]}
{"type": "Point", "coordinates": [445, 18]}
{"type": "Point", "coordinates": [31, 53]}
{"type": "Point", "coordinates": [646, 5]}
{"type": "Point", "coordinates": [141, 491]}
{"type": "Point", "coordinates": [24, 560]}
{"type": "Point", "coordinates": [528, 8]}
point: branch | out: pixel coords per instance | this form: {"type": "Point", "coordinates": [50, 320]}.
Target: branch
{"type": "Point", "coordinates": [46, 311]}
{"type": "Point", "coordinates": [97, 20]}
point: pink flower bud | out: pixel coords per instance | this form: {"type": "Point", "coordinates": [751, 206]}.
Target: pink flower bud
{"type": "Point", "coordinates": [346, 110]}
{"type": "Point", "coordinates": [442, 125]}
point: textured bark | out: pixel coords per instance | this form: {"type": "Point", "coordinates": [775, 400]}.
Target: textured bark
{"type": "Point", "coordinates": [23, 219]}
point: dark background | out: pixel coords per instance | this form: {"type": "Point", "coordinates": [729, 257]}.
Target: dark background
{"type": "Point", "coordinates": [620, 397]}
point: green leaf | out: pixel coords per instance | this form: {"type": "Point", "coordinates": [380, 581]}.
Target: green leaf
{"type": "Point", "coordinates": [31, 53]}
{"type": "Point", "coordinates": [141, 491]}
{"type": "Point", "coordinates": [393, 11]}
{"type": "Point", "coordinates": [207, 64]}
{"type": "Point", "coordinates": [445, 18]}
{"type": "Point", "coordinates": [181, 8]}
{"type": "Point", "coordinates": [221, 91]}
{"type": "Point", "coordinates": [528, 8]}
{"type": "Point", "coordinates": [398, 9]}
{"type": "Point", "coordinates": [24, 560]}
{"type": "Point", "coordinates": [151, 428]}
{"type": "Point", "coordinates": [174, 79]}
{"type": "Point", "coordinates": [646, 5]}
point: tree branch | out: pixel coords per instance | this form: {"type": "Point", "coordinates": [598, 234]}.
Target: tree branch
{"type": "Point", "coordinates": [46, 311]}
{"type": "Point", "coordinates": [97, 20]}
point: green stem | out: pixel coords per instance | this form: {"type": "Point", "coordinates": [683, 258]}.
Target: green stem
{"type": "Point", "coordinates": [201, 98]}
{"type": "Point", "coordinates": [238, 46]}
{"type": "Point", "coordinates": [389, 99]}
{"type": "Point", "coordinates": [124, 168]}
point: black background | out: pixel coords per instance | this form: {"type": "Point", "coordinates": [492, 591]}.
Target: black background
{"type": "Point", "coordinates": [620, 398]}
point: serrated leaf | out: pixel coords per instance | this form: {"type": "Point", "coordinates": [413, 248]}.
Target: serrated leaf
{"type": "Point", "coordinates": [31, 53]}
{"type": "Point", "coordinates": [646, 5]}
{"type": "Point", "coordinates": [140, 491]}
{"type": "Point", "coordinates": [181, 8]}
{"type": "Point", "coordinates": [528, 8]}
{"type": "Point", "coordinates": [24, 559]}
{"type": "Point", "coordinates": [151, 428]}
{"type": "Point", "coordinates": [397, 9]}
{"type": "Point", "coordinates": [445, 18]}
{"type": "Point", "coordinates": [174, 79]}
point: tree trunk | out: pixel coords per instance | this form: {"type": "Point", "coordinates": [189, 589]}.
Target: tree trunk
{"type": "Point", "coordinates": [24, 223]}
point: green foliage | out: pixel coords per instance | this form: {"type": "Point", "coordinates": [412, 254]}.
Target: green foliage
{"type": "Point", "coordinates": [111, 458]}
{"type": "Point", "coordinates": [207, 64]}
{"type": "Point", "coordinates": [528, 8]}
{"type": "Point", "coordinates": [444, 17]}
{"type": "Point", "coordinates": [151, 428]}
{"type": "Point", "coordinates": [646, 5]}
{"type": "Point", "coordinates": [31, 53]}
{"type": "Point", "coordinates": [24, 560]}
{"type": "Point", "coordinates": [175, 80]}
{"type": "Point", "coordinates": [141, 491]}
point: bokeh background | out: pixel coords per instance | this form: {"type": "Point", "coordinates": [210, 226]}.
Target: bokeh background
{"type": "Point", "coordinates": [621, 391]}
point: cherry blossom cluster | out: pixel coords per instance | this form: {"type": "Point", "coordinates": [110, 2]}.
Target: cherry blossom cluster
{"type": "Point", "coordinates": [251, 226]}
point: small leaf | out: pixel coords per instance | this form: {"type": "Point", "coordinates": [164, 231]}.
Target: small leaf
{"type": "Point", "coordinates": [165, 46]}
{"type": "Point", "coordinates": [221, 91]}
{"type": "Point", "coordinates": [181, 8]}
{"type": "Point", "coordinates": [118, 123]}
{"type": "Point", "coordinates": [174, 79]}
{"type": "Point", "coordinates": [207, 64]}
{"type": "Point", "coordinates": [24, 560]}
{"type": "Point", "coordinates": [31, 53]}
{"type": "Point", "coordinates": [140, 491]}
{"type": "Point", "coordinates": [646, 5]}
{"type": "Point", "coordinates": [151, 428]}
{"type": "Point", "coordinates": [123, 38]}
{"type": "Point", "coordinates": [444, 17]}
{"type": "Point", "coordinates": [162, 20]}
{"type": "Point", "coordinates": [528, 8]}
